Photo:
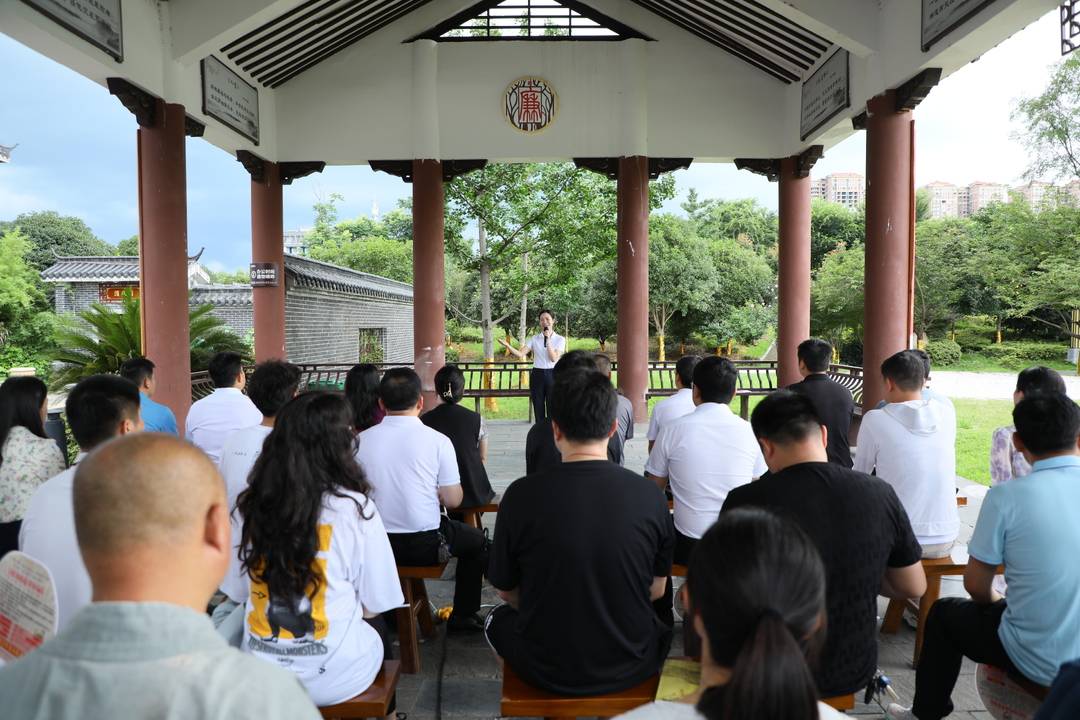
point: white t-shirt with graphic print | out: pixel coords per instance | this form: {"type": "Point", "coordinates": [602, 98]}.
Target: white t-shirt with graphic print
{"type": "Point", "coordinates": [324, 640]}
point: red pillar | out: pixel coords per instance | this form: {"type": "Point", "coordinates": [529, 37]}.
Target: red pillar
{"type": "Point", "coordinates": [793, 315]}
{"type": "Point", "coordinates": [429, 293]}
{"type": "Point", "coordinates": [268, 246]}
{"type": "Point", "coordinates": [889, 226]}
{"type": "Point", "coordinates": [163, 257]}
{"type": "Point", "coordinates": [633, 281]}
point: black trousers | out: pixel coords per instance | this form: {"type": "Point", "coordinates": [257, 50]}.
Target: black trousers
{"type": "Point", "coordinates": [955, 628]}
{"type": "Point", "coordinates": [379, 624]}
{"type": "Point", "coordinates": [540, 382]}
{"type": "Point", "coordinates": [684, 546]}
{"type": "Point", "coordinates": [466, 543]}
{"type": "Point", "coordinates": [9, 536]}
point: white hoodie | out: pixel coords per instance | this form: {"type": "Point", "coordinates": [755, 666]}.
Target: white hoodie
{"type": "Point", "coordinates": [913, 446]}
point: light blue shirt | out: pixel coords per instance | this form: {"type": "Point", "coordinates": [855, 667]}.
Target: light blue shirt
{"type": "Point", "coordinates": [147, 660]}
{"type": "Point", "coordinates": [156, 416]}
{"type": "Point", "coordinates": [1032, 525]}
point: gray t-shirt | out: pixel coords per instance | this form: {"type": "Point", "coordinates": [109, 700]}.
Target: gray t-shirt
{"type": "Point", "coordinates": [147, 660]}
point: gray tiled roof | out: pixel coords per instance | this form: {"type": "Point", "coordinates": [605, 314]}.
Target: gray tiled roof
{"type": "Point", "coordinates": [92, 268]}
{"type": "Point", "coordinates": [314, 273]}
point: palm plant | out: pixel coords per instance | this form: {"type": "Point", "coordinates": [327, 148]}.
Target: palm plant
{"type": "Point", "coordinates": [98, 340]}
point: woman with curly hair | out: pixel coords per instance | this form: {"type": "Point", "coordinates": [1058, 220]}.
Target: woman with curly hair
{"type": "Point", "coordinates": [319, 568]}
{"type": "Point", "coordinates": [27, 456]}
{"type": "Point", "coordinates": [756, 586]}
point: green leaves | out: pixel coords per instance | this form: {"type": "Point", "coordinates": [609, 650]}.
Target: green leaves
{"type": "Point", "coordinates": [99, 340]}
{"type": "Point", "coordinates": [1052, 120]}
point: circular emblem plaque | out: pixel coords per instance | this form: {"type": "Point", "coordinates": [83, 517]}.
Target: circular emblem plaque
{"type": "Point", "coordinates": [530, 104]}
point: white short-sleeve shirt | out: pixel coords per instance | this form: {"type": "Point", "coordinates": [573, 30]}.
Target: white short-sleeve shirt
{"type": "Point", "coordinates": [541, 361]}
{"type": "Point", "coordinates": [324, 640]}
{"type": "Point", "coordinates": [704, 455]}
{"type": "Point", "coordinates": [238, 456]}
{"type": "Point", "coordinates": [406, 463]}
{"type": "Point", "coordinates": [668, 409]}
{"type": "Point", "coordinates": [217, 416]}
{"type": "Point", "coordinates": [48, 535]}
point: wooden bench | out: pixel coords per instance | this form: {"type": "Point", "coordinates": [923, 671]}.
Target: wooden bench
{"type": "Point", "coordinates": [417, 609]}
{"type": "Point", "coordinates": [520, 699]}
{"type": "Point", "coordinates": [935, 569]}
{"type": "Point", "coordinates": [472, 515]}
{"type": "Point", "coordinates": [373, 702]}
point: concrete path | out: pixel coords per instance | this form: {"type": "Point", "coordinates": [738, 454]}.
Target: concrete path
{"type": "Point", "coordinates": [459, 677]}
{"type": "Point", "coordinates": [988, 385]}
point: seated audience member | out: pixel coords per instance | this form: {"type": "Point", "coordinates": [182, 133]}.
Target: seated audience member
{"type": "Point", "coordinates": [153, 528]}
{"type": "Point", "coordinates": [833, 401]}
{"type": "Point", "coordinates": [99, 408]}
{"type": "Point", "coordinates": [156, 417]}
{"type": "Point", "coordinates": [759, 613]}
{"type": "Point", "coordinates": [1031, 525]}
{"type": "Point", "coordinates": [1006, 462]}
{"type": "Point", "coordinates": [318, 564]}
{"type": "Point", "coordinates": [467, 432]}
{"type": "Point", "coordinates": [1063, 702]}
{"type": "Point", "coordinates": [855, 520]}
{"type": "Point", "coordinates": [28, 457]}
{"type": "Point", "coordinates": [413, 469]}
{"type": "Point", "coordinates": [703, 455]}
{"type": "Point", "coordinates": [679, 404]}
{"type": "Point", "coordinates": [273, 383]}
{"type": "Point", "coordinates": [218, 415]}
{"type": "Point", "coordinates": [362, 391]}
{"type": "Point", "coordinates": [927, 392]}
{"type": "Point", "coordinates": [581, 551]}
{"type": "Point", "coordinates": [541, 451]}
{"type": "Point", "coordinates": [912, 444]}
{"type": "Point", "coordinates": [625, 413]}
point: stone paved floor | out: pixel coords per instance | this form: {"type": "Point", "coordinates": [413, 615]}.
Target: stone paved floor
{"type": "Point", "coordinates": [459, 677]}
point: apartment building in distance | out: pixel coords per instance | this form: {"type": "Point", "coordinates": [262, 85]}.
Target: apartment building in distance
{"type": "Point", "coordinates": [949, 200]}
{"type": "Point", "coordinates": [848, 189]}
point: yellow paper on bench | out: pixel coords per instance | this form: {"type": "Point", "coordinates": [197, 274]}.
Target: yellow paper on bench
{"type": "Point", "coordinates": [678, 679]}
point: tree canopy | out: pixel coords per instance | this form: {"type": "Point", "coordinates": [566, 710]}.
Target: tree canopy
{"type": "Point", "coordinates": [49, 230]}
{"type": "Point", "coordinates": [1051, 123]}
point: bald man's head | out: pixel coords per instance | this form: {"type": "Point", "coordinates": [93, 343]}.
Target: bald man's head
{"type": "Point", "coordinates": [148, 489]}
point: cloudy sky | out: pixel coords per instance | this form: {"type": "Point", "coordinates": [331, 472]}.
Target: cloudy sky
{"type": "Point", "coordinates": [76, 151]}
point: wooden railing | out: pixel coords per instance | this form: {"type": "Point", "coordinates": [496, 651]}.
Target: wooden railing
{"type": "Point", "coordinates": [510, 379]}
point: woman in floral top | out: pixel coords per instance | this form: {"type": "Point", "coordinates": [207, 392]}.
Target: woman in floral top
{"type": "Point", "coordinates": [1005, 462]}
{"type": "Point", "coordinates": [27, 457]}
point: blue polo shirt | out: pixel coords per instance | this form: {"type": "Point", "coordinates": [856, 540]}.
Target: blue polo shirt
{"type": "Point", "coordinates": [1032, 525]}
{"type": "Point", "coordinates": [156, 416]}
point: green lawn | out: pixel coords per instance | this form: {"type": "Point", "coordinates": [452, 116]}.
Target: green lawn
{"type": "Point", "coordinates": [976, 362]}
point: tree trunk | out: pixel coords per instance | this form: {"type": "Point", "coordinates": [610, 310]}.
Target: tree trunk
{"type": "Point", "coordinates": [523, 324]}
{"type": "Point", "coordinates": [485, 293]}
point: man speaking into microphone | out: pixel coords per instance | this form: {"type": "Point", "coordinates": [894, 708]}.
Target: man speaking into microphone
{"type": "Point", "coordinates": [546, 347]}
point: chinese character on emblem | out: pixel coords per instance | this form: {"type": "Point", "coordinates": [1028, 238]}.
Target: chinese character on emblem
{"type": "Point", "coordinates": [530, 105]}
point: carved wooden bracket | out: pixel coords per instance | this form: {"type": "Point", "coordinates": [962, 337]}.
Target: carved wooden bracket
{"type": "Point", "coordinates": [859, 121]}
{"type": "Point", "coordinates": [659, 166]}
{"type": "Point", "coordinates": [452, 168]}
{"type": "Point", "coordinates": [398, 168]}
{"type": "Point", "coordinates": [192, 127]}
{"type": "Point", "coordinates": [292, 170]}
{"type": "Point", "coordinates": [254, 164]}
{"type": "Point", "coordinates": [808, 157]}
{"type": "Point", "coordinates": [915, 90]}
{"type": "Point", "coordinates": [404, 168]}
{"type": "Point", "coordinates": [769, 167]}
{"type": "Point", "coordinates": [143, 105]}
{"type": "Point", "coordinates": [609, 167]}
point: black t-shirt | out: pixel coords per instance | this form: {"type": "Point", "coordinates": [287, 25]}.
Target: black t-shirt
{"type": "Point", "coordinates": [860, 528]}
{"type": "Point", "coordinates": [583, 542]}
{"type": "Point", "coordinates": [834, 405]}
{"type": "Point", "coordinates": [541, 452]}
